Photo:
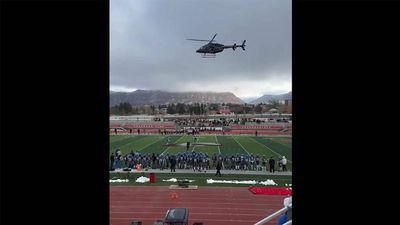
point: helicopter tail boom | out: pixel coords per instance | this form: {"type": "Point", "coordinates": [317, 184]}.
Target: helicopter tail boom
{"type": "Point", "coordinates": [234, 46]}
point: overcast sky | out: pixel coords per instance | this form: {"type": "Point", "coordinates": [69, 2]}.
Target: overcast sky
{"type": "Point", "coordinates": [149, 50]}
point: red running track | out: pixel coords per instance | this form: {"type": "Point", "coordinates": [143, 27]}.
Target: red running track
{"type": "Point", "coordinates": [212, 206]}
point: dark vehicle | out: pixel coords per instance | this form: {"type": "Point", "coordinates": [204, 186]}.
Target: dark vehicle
{"type": "Point", "coordinates": [177, 216]}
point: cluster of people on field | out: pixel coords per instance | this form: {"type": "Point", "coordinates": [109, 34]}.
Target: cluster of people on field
{"type": "Point", "coordinates": [201, 122]}
{"type": "Point", "coordinates": [169, 132]}
{"type": "Point", "coordinates": [194, 131]}
{"type": "Point", "coordinates": [251, 162]}
{"type": "Point", "coordinates": [196, 161]}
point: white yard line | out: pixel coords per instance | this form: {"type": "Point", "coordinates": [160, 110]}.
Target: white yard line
{"type": "Point", "coordinates": [219, 150]}
{"type": "Point", "coordinates": [269, 149]}
{"type": "Point", "coordinates": [193, 148]}
{"type": "Point", "coordinates": [279, 142]}
{"type": "Point", "coordinates": [149, 144]}
{"type": "Point", "coordinates": [174, 143]}
{"type": "Point", "coordinates": [241, 146]}
{"type": "Point", "coordinates": [197, 140]}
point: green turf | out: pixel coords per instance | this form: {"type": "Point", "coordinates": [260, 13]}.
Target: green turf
{"type": "Point", "coordinates": [210, 150]}
{"type": "Point", "coordinates": [253, 148]}
{"type": "Point", "coordinates": [176, 149]}
{"type": "Point", "coordinates": [158, 145]}
{"type": "Point", "coordinates": [230, 146]}
{"type": "Point", "coordinates": [286, 141]}
{"type": "Point", "coordinates": [121, 142]}
{"type": "Point", "coordinates": [200, 179]}
{"type": "Point", "coordinates": [276, 146]}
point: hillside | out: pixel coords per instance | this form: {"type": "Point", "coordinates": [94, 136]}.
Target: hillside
{"type": "Point", "coordinates": [150, 97]}
{"type": "Point", "coordinates": [267, 98]}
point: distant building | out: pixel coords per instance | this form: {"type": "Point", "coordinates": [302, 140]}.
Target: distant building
{"type": "Point", "coordinates": [286, 102]}
{"type": "Point", "coordinates": [163, 111]}
{"type": "Point", "coordinates": [273, 110]}
{"type": "Point", "coordinates": [224, 111]}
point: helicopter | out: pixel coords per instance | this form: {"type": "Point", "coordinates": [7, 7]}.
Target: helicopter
{"type": "Point", "coordinates": [212, 48]}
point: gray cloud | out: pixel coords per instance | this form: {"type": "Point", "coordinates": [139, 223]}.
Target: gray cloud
{"type": "Point", "coordinates": [148, 49]}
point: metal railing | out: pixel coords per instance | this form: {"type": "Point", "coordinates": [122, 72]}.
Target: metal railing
{"type": "Point", "coordinates": [273, 215]}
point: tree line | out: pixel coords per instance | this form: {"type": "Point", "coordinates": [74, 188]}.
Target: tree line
{"type": "Point", "coordinates": [125, 108]}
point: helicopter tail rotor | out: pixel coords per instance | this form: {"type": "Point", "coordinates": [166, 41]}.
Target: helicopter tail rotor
{"type": "Point", "coordinates": [234, 47]}
{"type": "Point", "coordinates": [243, 44]}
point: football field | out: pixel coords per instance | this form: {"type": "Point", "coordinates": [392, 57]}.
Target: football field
{"type": "Point", "coordinates": [231, 145]}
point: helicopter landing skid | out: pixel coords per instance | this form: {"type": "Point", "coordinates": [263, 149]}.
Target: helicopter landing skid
{"type": "Point", "coordinates": [208, 55]}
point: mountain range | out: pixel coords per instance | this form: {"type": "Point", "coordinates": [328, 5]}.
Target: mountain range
{"type": "Point", "coordinates": [267, 98]}
{"type": "Point", "coordinates": [156, 97]}
{"type": "Point", "coordinates": [153, 97]}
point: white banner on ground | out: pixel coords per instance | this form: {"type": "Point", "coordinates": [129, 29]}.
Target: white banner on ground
{"type": "Point", "coordinates": [267, 182]}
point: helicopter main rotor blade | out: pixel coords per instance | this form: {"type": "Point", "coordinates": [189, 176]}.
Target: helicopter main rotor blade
{"type": "Point", "coordinates": [190, 39]}
{"type": "Point", "coordinates": [213, 38]}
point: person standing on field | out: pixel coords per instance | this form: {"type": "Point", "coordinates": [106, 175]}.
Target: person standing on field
{"type": "Point", "coordinates": [284, 162]}
{"type": "Point", "coordinates": [219, 166]}
{"type": "Point", "coordinates": [271, 163]}
{"type": "Point", "coordinates": [112, 158]}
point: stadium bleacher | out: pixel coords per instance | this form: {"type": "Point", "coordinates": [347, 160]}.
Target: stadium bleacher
{"type": "Point", "coordinates": [202, 126]}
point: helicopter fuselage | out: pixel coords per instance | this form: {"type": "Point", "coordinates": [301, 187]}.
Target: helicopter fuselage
{"type": "Point", "coordinates": [211, 48]}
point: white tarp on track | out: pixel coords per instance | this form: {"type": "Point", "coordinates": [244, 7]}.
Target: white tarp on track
{"type": "Point", "coordinates": [142, 179]}
{"type": "Point", "coordinates": [267, 182]}
{"type": "Point", "coordinates": [119, 181]}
